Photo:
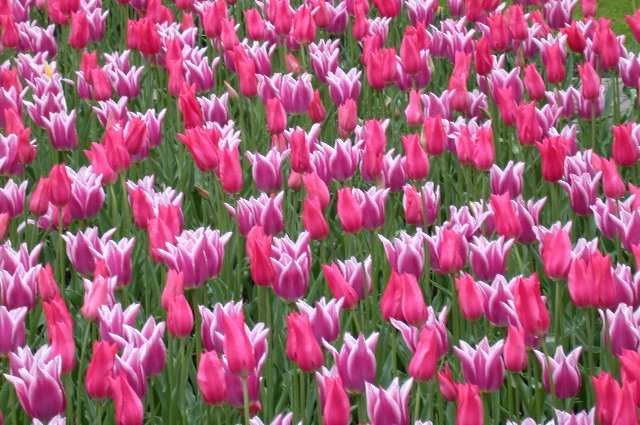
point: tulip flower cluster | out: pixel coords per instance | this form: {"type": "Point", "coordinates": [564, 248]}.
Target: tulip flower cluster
{"type": "Point", "coordinates": [383, 212]}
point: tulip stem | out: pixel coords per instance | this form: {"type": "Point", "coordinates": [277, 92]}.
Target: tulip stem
{"type": "Point", "coordinates": [558, 312]}
{"type": "Point", "coordinates": [245, 399]}
{"type": "Point", "coordinates": [60, 248]}
{"type": "Point", "coordinates": [85, 342]}
{"type": "Point", "coordinates": [416, 408]}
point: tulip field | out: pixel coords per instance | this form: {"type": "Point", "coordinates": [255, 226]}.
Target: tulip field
{"type": "Point", "coordinates": [382, 212]}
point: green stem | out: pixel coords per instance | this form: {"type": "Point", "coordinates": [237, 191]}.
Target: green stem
{"type": "Point", "coordinates": [416, 408]}
{"type": "Point", "coordinates": [245, 400]}
{"type": "Point", "coordinates": [60, 252]}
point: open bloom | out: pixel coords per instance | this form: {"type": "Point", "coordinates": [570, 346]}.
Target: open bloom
{"type": "Point", "coordinates": [390, 406]}
{"type": "Point", "coordinates": [560, 372]}
{"type": "Point", "coordinates": [483, 365]}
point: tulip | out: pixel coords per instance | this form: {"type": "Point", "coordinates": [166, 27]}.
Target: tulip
{"type": "Point", "coordinates": [530, 305]}
{"type": "Point", "coordinates": [448, 251]}
{"type": "Point", "coordinates": [316, 109]}
{"type": "Point", "coordinates": [469, 410]}
{"type": "Point", "coordinates": [605, 44]}
{"type": "Point", "coordinates": [313, 219]}
{"type": "Point", "coordinates": [514, 352]}
{"type": "Point", "coordinates": [40, 374]}
{"type": "Point", "coordinates": [608, 397]}
{"type": "Point", "coordinates": [349, 211]}
{"type": "Point", "coordinates": [300, 152]}
{"type": "Point", "coordinates": [100, 369]}
{"type": "Point", "coordinates": [402, 299]}
{"type": "Point", "coordinates": [190, 108]}
{"type": "Point", "coordinates": [340, 288]}
{"type": "Point", "coordinates": [210, 378]}
{"type": "Point", "coordinates": [230, 171]}
{"type": "Point", "coordinates": [560, 372]}
{"type": "Point", "coordinates": [237, 347]}
{"type": "Point", "coordinates": [203, 146]}
{"type": "Point", "coordinates": [470, 297]}
{"type": "Point", "coordinates": [304, 27]}
{"type": "Point", "coordinates": [483, 365]}
{"type": "Point", "coordinates": [506, 221]}
{"type": "Point", "coordinates": [424, 363]}
{"type": "Point", "coordinates": [127, 404]}
{"type": "Point", "coordinates": [434, 135]}
{"type": "Point", "coordinates": [413, 112]}
{"type": "Point", "coordinates": [302, 346]}
{"type": "Point", "coordinates": [598, 290]}
{"type": "Point", "coordinates": [533, 82]}
{"type": "Point", "coordinates": [619, 328]}
{"type": "Point", "coordinates": [390, 406]}
{"type": "Point", "coordinates": [97, 293]}
{"type": "Point", "coordinates": [633, 21]}
{"type": "Point", "coordinates": [198, 254]}
{"type": "Point", "coordinates": [553, 58]}
{"type": "Point", "coordinates": [356, 361]}
{"type": "Point", "coordinates": [590, 81]}
{"type": "Point", "coordinates": [324, 318]}
{"type": "Point", "coordinates": [553, 151]}
{"type": "Point", "coordinates": [258, 249]}
{"type": "Point", "coordinates": [508, 179]}
{"type": "Point", "coordinates": [555, 249]}
{"type": "Point", "coordinates": [447, 386]}
{"type": "Point", "coordinates": [623, 149]}
{"type": "Point", "coordinates": [12, 323]}
{"type": "Point", "coordinates": [489, 258]}
{"type": "Point", "coordinates": [405, 254]}
{"type": "Point", "coordinates": [333, 398]}
{"type": "Point", "coordinates": [179, 314]}
{"type": "Point", "coordinates": [416, 160]}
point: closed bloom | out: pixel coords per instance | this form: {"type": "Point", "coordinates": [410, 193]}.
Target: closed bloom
{"type": "Point", "coordinates": [447, 249]}
{"type": "Point", "coordinates": [530, 305]}
{"type": "Point", "coordinates": [403, 300]}
{"type": "Point", "coordinates": [470, 297]}
{"type": "Point", "coordinates": [483, 365]}
{"type": "Point", "coordinates": [100, 369]}
{"type": "Point", "coordinates": [553, 151]}
{"type": "Point", "coordinates": [506, 221]}
{"type": "Point", "coordinates": [416, 162]}
{"type": "Point", "coordinates": [333, 398]}
{"type": "Point", "coordinates": [469, 410]}
{"type": "Point", "coordinates": [390, 406]}
{"type": "Point", "coordinates": [555, 249]}
{"type": "Point", "coordinates": [589, 81]}
{"type": "Point", "coordinates": [237, 347]}
{"type": "Point", "coordinates": [424, 363]}
{"type": "Point", "coordinates": [515, 350]}
{"type": "Point", "coordinates": [349, 211]}
{"type": "Point", "coordinates": [623, 149]}
{"type": "Point", "coordinates": [560, 372]}
{"type": "Point", "coordinates": [591, 280]}
{"type": "Point", "coordinates": [258, 249]}
{"type": "Point", "coordinates": [127, 403]}
{"type": "Point", "coordinates": [313, 218]}
{"type": "Point", "coordinates": [210, 378]}
{"type": "Point", "coordinates": [302, 346]}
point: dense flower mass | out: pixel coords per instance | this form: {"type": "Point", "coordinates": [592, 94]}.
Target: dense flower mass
{"type": "Point", "coordinates": [381, 212]}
